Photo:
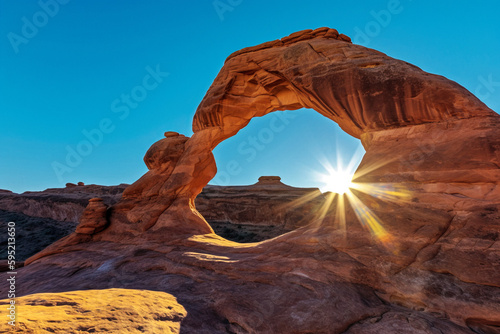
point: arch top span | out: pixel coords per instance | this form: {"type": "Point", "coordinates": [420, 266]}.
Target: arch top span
{"type": "Point", "coordinates": [359, 88]}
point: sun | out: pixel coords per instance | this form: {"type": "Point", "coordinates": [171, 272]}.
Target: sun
{"type": "Point", "coordinates": [337, 185]}
{"type": "Point", "coordinates": [336, 180]}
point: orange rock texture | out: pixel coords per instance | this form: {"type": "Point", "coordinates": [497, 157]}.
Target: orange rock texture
{"type": "Point", "coordinates": [414, 248]}
{"type": "Point", "coordinates": [97, 311]}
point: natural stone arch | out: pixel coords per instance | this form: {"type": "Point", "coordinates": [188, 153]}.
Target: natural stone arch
{"type": "Point", "coordinates": [364, 91]}
{"type": "Point", "coordinates": [360, 89]}
{"type": "Point", "coordinates": [392, 106]}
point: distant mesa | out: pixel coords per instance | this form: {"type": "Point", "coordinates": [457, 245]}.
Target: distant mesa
{"type": "Point", "coordinates": [270, 179]}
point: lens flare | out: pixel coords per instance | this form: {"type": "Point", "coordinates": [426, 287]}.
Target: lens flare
{"type": "Point", "coordinates": [338, 186]}
{"type": "Point", "coordinates": [336, 181]}
{"type": "Point", "coordinates": [339, 179]}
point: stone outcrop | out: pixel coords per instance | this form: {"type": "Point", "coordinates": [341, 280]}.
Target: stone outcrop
{"type": "Point", "coordinates": [96, 311]}
{"type": "Point", "coordinates": [413, 248]}
{"type": "Point", "coordinates": [94, 217]}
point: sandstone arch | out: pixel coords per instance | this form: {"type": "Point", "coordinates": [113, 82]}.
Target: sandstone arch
{"type": "Point", "coordinates": [397, 110]}
{"type": "Point", "coordinates": [361, 89]}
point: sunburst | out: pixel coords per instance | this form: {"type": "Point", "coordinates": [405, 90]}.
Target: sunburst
{"type": "Point", "coordinates": [338, 184]}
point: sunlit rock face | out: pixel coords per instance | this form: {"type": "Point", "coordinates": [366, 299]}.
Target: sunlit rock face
{"type": "Point", "coordinates": [361, 89]}
{"type": "Point", "coordinates": [413, 248]}
{"type": "Point", "coordinates": [96, 311]}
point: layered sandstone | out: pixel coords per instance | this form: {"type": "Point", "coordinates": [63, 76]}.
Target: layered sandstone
{"type": "Point", "coordinates": [61, 204]}
{"type": "Point", "coordinates": [413, 249]}
{"type": "Point", "coordinates": [33, 234]}
{"type": "Point", "coordinates": [268, 202]}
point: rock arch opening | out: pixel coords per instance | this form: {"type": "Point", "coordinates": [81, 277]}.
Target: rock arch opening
{"type": "Point", "coordinates": [275, 173]}
{"type": "Point", "coordinates": [369, 95]}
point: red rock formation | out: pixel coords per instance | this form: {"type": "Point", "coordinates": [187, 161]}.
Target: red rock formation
{"type": "Point", "coordinates": [361, 89]}
{"type": "Point", "coordinates": [94, 218]}
{"type": "Point", "coordinates": [239, 213]}
{"type": "Point", "coordinates": [158, 201]}
{"type": "Point", "coordinates": [96, 311]}
{"type": "Point", "coordinates": [419, 251]}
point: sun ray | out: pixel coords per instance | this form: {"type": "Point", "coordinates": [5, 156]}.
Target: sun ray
{"type": "Point", "coordinates": [340, 180]}
{"type": "Point", "coordinates": [369, 220]}
{"type": "Point", "coordinates": [300, 201]}
{"type": "Point", "coordinates": [368, 168]}
{"type": "Point", "coordinates": [385, 191]}
{"type": "Point", "coordinates": [325, 208]}
{"type": "Point", "coordinates": [340, 216]}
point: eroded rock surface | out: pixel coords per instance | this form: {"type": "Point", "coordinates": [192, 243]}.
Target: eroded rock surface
{"type": "Point", "coordinates": [415, 249]}
{"type": "Point", "coordinates": [97, 311]}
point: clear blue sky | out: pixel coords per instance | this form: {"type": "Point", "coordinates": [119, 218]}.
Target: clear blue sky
{"type": "Point", "coordinates": [64, 70]}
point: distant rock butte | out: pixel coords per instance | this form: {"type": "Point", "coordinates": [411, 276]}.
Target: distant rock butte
{"type": "Point", "coordinates": [269, 202]}
{"type": "Point", "coordinates": [424, 135]}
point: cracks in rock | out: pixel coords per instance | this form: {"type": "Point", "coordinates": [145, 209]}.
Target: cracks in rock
{"type": "Point", "coordinates": [446, 229]}
{"type": "Point", "coordinates": [319, 52]}
{"type": "Point", "coordinates": [440, 331]}
{"type": "Point", "coordinates": [433, 242]}
{"type": "Point", "coordinates": [490, 191]}
{"type": "Point", "coordinates": [461, 280]}
{"type": "Point", "coordinates": [76, 271]}
{"type": "Point", "coordinates": [377, 317]}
